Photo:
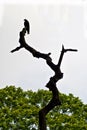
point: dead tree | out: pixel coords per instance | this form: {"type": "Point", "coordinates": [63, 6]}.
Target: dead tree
{"type": "Point", "coordinates": [53, 80]}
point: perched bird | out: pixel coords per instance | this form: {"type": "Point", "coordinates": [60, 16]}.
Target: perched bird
{"type": "Point", "coordinates": [27, 25]}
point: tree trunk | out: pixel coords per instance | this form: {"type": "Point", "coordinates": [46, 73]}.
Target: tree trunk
{"type": "Point", "coordinates": [53, 80]}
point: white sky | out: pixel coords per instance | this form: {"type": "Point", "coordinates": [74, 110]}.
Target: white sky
{"type": "Point", "coordinates": [51, 26]}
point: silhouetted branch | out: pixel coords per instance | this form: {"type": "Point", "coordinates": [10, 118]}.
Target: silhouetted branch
{"type": "Point", "coordinates": [71, 50]}
{"type": "Point", "coordinates": [52, 87]}
{"type": "Point", "coordinates": [62, 53]}
{"type": "Point", "coordinates": [36, 53]}
{"type": "Point", "coordinates": [16, 49]}
{"type": "Point", "coordinates": [53, 80]}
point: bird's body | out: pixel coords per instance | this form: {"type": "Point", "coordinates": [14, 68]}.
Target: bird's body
{"type": "Point", "coordinates": [27, 25]}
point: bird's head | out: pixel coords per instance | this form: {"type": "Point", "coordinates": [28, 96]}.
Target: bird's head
{"type": "Point", "coordinates": [25, 20]}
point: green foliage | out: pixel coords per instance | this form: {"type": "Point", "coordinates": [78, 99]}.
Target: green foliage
{"type": "Point", "coordinates": [19, 110]}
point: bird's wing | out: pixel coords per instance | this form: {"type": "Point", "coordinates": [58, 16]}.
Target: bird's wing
{"type": "Point", "coordinates": [27, 25]}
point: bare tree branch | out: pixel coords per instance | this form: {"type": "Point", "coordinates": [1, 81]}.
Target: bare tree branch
{"type": "Point", "coordinates": [53, 80]}
{"type": "Point", "coordinates": [16, 49]}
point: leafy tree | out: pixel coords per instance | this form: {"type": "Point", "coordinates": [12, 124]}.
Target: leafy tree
{"type": "Point", "coordinates": [19, 110]}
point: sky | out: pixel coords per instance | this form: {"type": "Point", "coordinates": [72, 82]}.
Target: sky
{"type": "Point", "coordinates": [52, 23]}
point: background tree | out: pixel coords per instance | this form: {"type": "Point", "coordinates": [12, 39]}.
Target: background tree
{"type": "Point", "coordinates": [19, 110]}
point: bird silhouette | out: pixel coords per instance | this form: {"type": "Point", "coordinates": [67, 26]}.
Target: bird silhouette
{"type": "Point", "coordinates": [27, 25]}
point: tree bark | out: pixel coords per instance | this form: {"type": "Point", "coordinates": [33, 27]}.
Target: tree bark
{"type": "Point", "coordinates": [53, 80]}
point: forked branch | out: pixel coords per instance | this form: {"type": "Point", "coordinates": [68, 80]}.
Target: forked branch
{"type": "Point", "coordinates": [53, 80]}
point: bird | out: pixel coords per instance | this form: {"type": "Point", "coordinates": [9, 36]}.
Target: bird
{"type": "Point", "coordinates": [27, 25]}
